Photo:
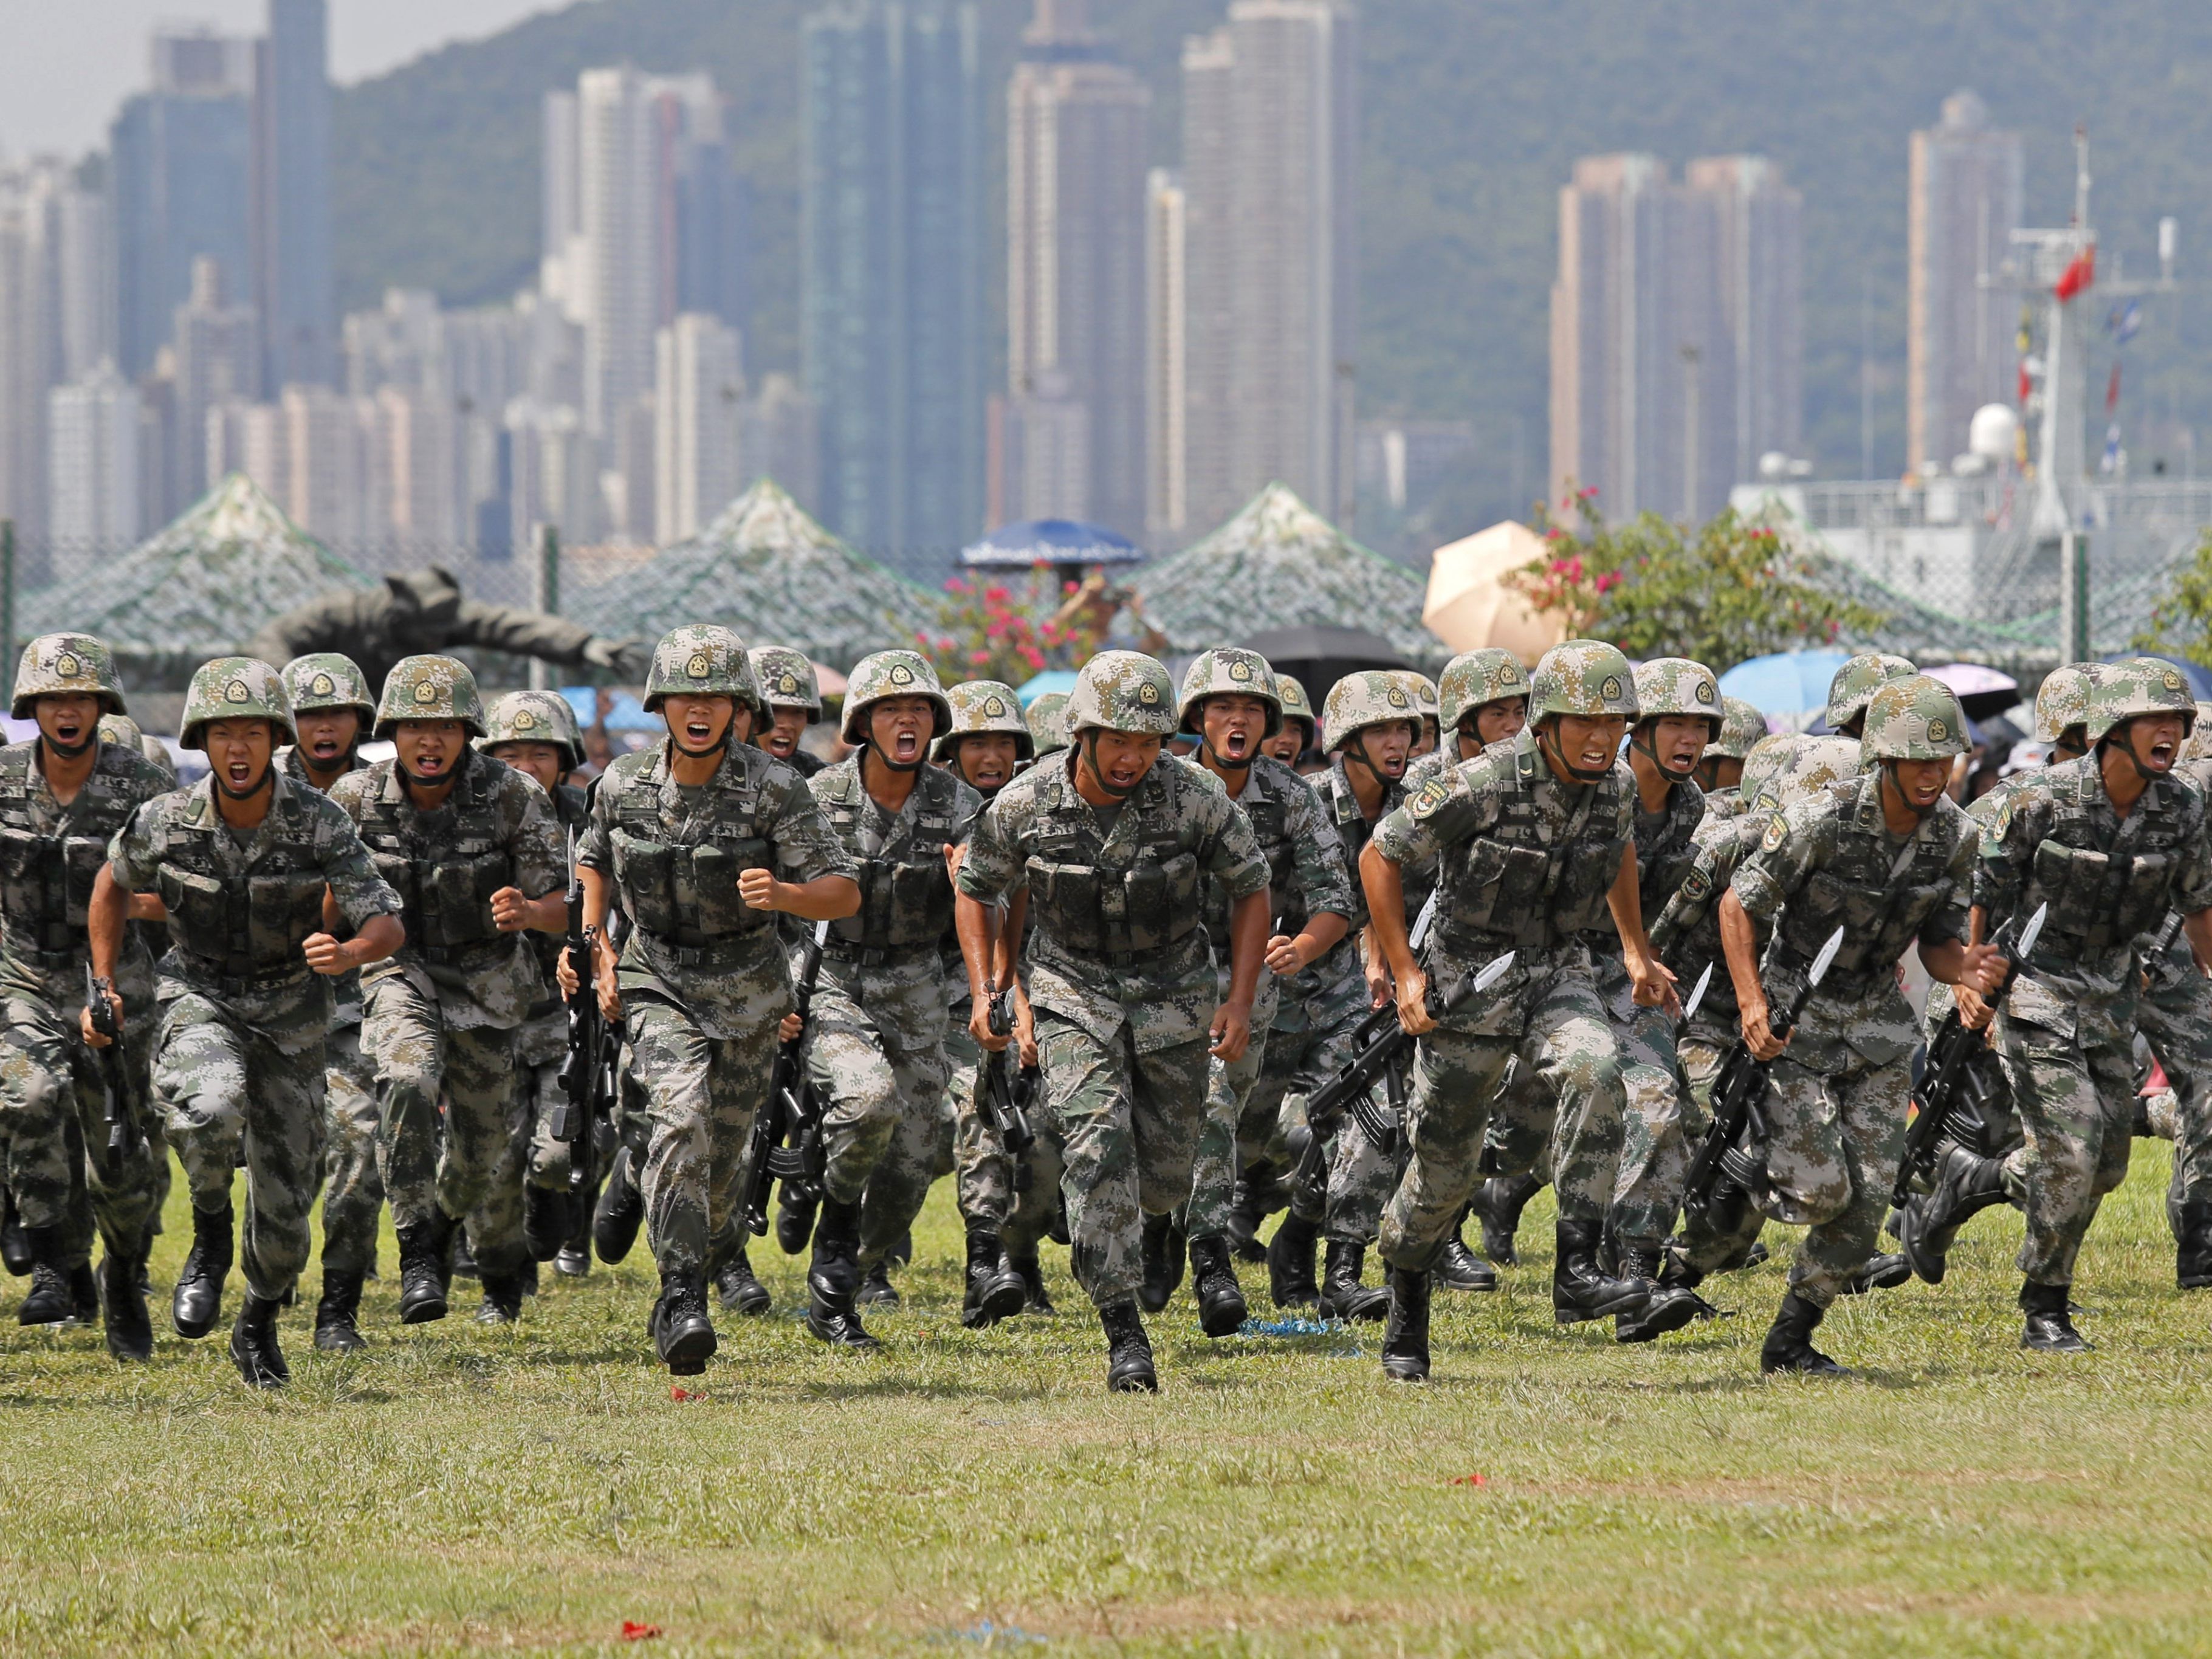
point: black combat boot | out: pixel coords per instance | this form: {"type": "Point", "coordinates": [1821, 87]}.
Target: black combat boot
{"type": "Point", "coordinates": [794, 1218]}
{"type": "Point", "coordinates": [1580, 1289]}
{"type": "Point", "coordinates": [502, 1298]}
{"type": "Point", "coordinates": [1221, 1307]}
{"type": "Point", "coordinates": [834, 1276]}
{"type": "Point", "coordinates": [620, 1212]}
{"type": "Point", "coordinates": [422, 1271]}
{"type": "Point", "coordinates": [254, 1347]}
{"type": "Point", "coordinates": [1342, 1295]}
{"type": "Point", "coordinates": [1498, 1206]}
{"type": "Point", "coordinates": [1405, 1337]}
{"type": "Point", "coordinates": [2049, 1327]}
{"type": "Point", "coordinates": [1027, 1269]}
{"type": "Point", "coordinates": [877, 1290]}
{"type": "Point", "coordinates": [1128, 1354]}
{"type": "Point", "coordinates": [2192, 1248]}
{"type": "Point", "coordinates": [995, 1290]}
{"type": "Point", "coordinates": [14, 1248]}
{"type": "Point", "coordinates": [575, 1260]}
{"type": "Point", "coordinates": [1882, 1273]}
{"type": "Point", "coordinates": [548, 1219]}
{"type": "Point", "coordinates": [198, 1303]}
{"type": "Point", "coordinates": [1789, 1346]}
{"type": "Point", "coordinates": [1671, 1306]}
{"type": "Point", "coordinates": [337, 1313]}
{"type": "Point", "coordinates": [49, 1301]}
{"type": "Point", "coordinates": [1458, 1269]}
{"type": "Point", "coordinates": [460, 1254]}
{"type": "Point", "coordinates": [1966, 1184]}
{"type": "Point", "coordinates": [1247, 1210]}
{"type": "Point", "coordinates": [84, 1294]}
{"type": "Point", "coordinates": [1163, 1260]}
{"type": "Point", "coordinates": [683, 1334]}
{"type": "Point", "coordinates": [739, 1290]}
{"type": "Point", "coordinates": [1290, 1282]}
{"type": "Point", "coordinates": [130, 1332]}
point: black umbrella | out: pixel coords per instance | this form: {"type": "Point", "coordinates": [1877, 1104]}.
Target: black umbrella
{"type": "Point", "coordinates": [1319, 656]}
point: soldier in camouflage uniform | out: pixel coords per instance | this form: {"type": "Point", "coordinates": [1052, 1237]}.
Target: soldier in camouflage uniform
{"type": "Point", "coordinates": [332, 709]}
{"type": "Point", "coordinates": [1422, 690]}
{"type": "Point", "coordinates": [1741, 728]}
{"type": "Point", "coordinates": [62, 796]}
{"type": "Point", "coordinates": [1001, 1198]}
{"type": "Point", "coordinates": [1300, 727]}
{"type": "Point", "coordinates": [793, 694]}
{"type": "Point", "coordinates": [471, 847]}
{"type": "Point", "coordinates": [877, 1049]}
{"type": "Point", "coordinates": [2110, 842]}
{"type": "Point", "coordinates": [1230, 701]}
{"type": "Point", "coordinates": [1533, 844]}
{"type": "Point", "coordinates": [703, 840]}
{"type": "Point", "coordinates": [1885, 857]}
{"type": "Point", "coordinates": [122, 729]}
{"type": "Point", "coordinates": [248, 865]}
{"type": "Point", "coordinates": [1112, 848]}
{"type": "Point", "coordinates": [1047, 724]}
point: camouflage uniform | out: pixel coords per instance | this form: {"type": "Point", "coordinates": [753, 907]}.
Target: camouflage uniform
{"type": "Point", "coordinates": [442, 1011]}
{"type": "Point", "coordinates": [786, 679]}
{"type": "Point", "coordinates": [1047, 723]}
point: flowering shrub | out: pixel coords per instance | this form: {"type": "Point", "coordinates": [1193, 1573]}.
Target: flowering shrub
{"type": "Point", "coordinates": [992, 632]}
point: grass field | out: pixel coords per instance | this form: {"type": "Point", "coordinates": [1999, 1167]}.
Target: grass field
{"type": "Point", "coordinates": [459, 1489]}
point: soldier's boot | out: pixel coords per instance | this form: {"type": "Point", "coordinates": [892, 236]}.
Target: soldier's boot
{"type": "Point", "coordinates": [1342, 1295]}
{"type": "Point", "coordinates": [337, 1313]}
{"type": "Point", "coordinates": [548, 1219]}
{"type": "Point", "coordinates": [2192, 1248]}
{"type": "Point", "coordinates": [1247, 1210]}
{"type": "Point", "coordinates": [833, 1275]}
{"type": "Point", "coordinates": [423, 1287]}
{"type": "Point", "coordinates": [197, 1302]}
{"type": "Point", "coordinates": [1129, 1352]}
{"type": "Point", "coordinates": [1162, 1256]}
{"type": "Point", "coordinates": [683, 1334]}
{"type": "Point", "coordinates": [129, 1331]}
{"type": "Point", "coordinates": [739, 1290]}
{"type": "Point", "coordinates": [1031, 1274]}
{"type": "Point", "coordinates": [1882, 1273]}
{"type": "Point", "coordinates": [994, 1291]}
{"type": "Point", "coordinates": [1405, 1337]}
{"type": "Point", "coordinates": [1221, 1306]}
{"type": "Point", "coordinates": [1789, 1346]}
{"type": "Point", "coordinates": [2049, 1327]}
{"type": "Point", "coordinates": [461, 1255]}
{"type": "Point", "coordinates": [1671, 1306]}
{"type": "Point", "coordinates": [502, 1298]}
{"type": "Point", "coordinates": [1966, 1184]}
{"type": "Point", "coordinates": [84, 1294]}
{"type": "Point", "coordinates": [14, 1246]}
{"type": "Point", "coordinates": [1497, 1206]}
{"type": "Point", "coordinates": [1291, 1282]}
{"type": "Point", "coordinates": [794, 1219]}
{"type": "Point", "coordinates": [1458, 1269]}
{"type": "Point", "coordinates": [620, 1212]}
{"type": "Point", "coordinates": [1580, 1290]}
{"type": "Point", "coordinates": [877, 1290]}
{"type": "Point", "coordinates": [254, 1347]}
{"type": "Point", "coordinates": [49, 1302]}
{"type": "Point", "coordinates": [574, 1259]}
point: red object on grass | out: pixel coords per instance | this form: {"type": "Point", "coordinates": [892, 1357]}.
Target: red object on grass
{"type": "Point", "coordinates": [1468, 1480]}
{"type": "Point", "coordinates": [634, 1631]}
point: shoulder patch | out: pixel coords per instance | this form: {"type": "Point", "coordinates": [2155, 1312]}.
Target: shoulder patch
{"type": "Point", "coordinates": [1696, 885]}
{"type": "Point", "coordinates": [1429, 797]}
{"type": "Point", "coordinates": [1777, 830]}
{"type": "Point", "coordinates": [2003, 820]}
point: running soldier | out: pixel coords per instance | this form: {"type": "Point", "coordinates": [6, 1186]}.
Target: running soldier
{"type": "Point", "coordinates": [1741, 727]}
{"type": "Point", "coordinates": [1047, 724]}
{"type": "Point", "coordinates": [1300, 728]}
{"type": "Point", "coordinates": [793, 694]}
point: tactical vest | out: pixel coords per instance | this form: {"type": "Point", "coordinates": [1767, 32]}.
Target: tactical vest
{"type": "Point", "coordinates": [906, 898]}
{"type": "Point", "coordinates": [1667, 848]}
{"type": "Point", "coordinates": [242, 928]}
{"type": "Point", "coordinates": [2102, 898]}
{"type": "Point", "coordinates": [1510, 887]}
{"type": "Point", "coordinates": [1269, 816]}
{"type": "Point", "coordinates": [1115, 915]}
{"type": "Point", "coordinates": [1881, 905]}
{"type": "Point", "coordinates": [45, 879]}
{"type": "Point", "coordinates": [685, 894]}
{"type": "Point", "coordinates": [446, 888]}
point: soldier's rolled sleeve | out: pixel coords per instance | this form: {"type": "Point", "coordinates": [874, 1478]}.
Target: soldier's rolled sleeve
{"type": "Point", "coordinates": [807, 847]}
{"type": "Point", "coordinates": [1323, 868]}
{"type": "Point", "coordinates": [134, 855]}
{"type": "Point", "coordinates": [595, 845]}
{"type": "Point", "coordinates": [540, 859]}
{"type": "Point", "coordinates": [994, 865]}
{"type": "Point", "coordinates": [1778, 866]}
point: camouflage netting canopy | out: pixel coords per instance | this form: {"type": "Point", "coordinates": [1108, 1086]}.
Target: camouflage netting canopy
{"type": "Point", "coordinates": [1280, 564]}
{"type": "Point", "coordinates": [197, 590]}
{"type": "Point", "coordinates": [767, 571]}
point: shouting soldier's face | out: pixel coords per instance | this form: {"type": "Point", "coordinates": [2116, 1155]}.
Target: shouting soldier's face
{"type": "Point", "coordinates": [781, 738]}
{"type": "Point", "coordinates": [899, 730]}
{"type": "Point", "coordinates": [986, 759]}
{"type": "Point", "coordinates": [1286, 744]}
{"type": "Point", "coordinates": [2155, 740]}
{"type": "Point", "coordinates": [541, 761]}
{"type": "Point", "coordinates": [1678, 743]}
{"type": "Point", "coordinates": [696, 721]}
{"type": "Point", "coordinates": [428, 750]}
{"type": "Point", "coordinates": [68, 721]}
{"type": "Point", "coordinates": [238, 753]}
{"type": "Point", "coordinates": [1233, 725]}
{"type": "Point", "coordinates": [326, 735]}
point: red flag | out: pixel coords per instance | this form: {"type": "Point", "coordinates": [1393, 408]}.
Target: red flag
{"type": "Point", "coordinates": [2026, 386]}
{"type": "Point", "coordinates": [2113, 391]}
{"type": "Point", "coordinates": [2077, 276]}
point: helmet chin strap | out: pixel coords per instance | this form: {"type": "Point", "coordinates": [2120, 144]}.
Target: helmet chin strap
{"type": "Point", "coordinates": [1087, 746]}
{"type": "Point", "coordinates": [2117, 738]}
{"type": "Point", "coordinates": [1355, 748]}
{"type": "Point", "coordinates": [1224, 761]}
{"type": "Point", "coordinates": [71, 750]}
{"type": "Point", "coordinates": [255, 789]}
{"type": "Point", "coordinates": [881, 754]}
{"type": "Point", "coordinates": [1897, 784]}
{"type": "Point", "coordinates": [1549, 738]}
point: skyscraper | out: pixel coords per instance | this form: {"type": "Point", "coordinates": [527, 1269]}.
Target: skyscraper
{"type": "Point", "coordinates": [294, 287]}
{"type": "Point", "coordinates": [892, 202]}
{"type": "Point", "coordinates": [1760, 245]}
{"type": "Point", "coordinates": [699, 386]}
{"type": "Point", "coordinates": [93, 463]}
{"type": "Point", "coordinates": [1075, 258]}
{"type": "Point", "coordinates": [217, 357]}
{"type": "Point", "coordinates": [1967, 180]}
{"type": "Point", "coordinates": [617, 144]}
{"type": "Point", "coordinates": [1167, 350]}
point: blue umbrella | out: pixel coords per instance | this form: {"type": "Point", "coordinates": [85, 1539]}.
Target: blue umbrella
{"type": "Point", "coordinates": [1051, 541]}
{"type": "Point", "coordinates": [625, 713]}
{"type": "Point", "coordinates": [1789, 687]}
{"type": "Point", "coordinates": [1061, 680]}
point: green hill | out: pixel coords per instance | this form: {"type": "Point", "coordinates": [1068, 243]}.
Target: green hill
{"type": "Point", "coordinates": [1473, 114]}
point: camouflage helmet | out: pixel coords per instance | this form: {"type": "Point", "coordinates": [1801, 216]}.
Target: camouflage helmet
{"type": "Point", "coordinates": [1676, 686]}
{"type": "Point", "coordinates": [786, 679]}
{"type": "Point", "coordinates": [1424, 690]}
{"type": "Point", "coordinates": [236, 689]}
{"type": "Point", "coordinates": [1228, 671]}
{"type": "Point", "coordinates": [2140, 685]}
{"type": "Point", "coordinates": [1047, 719]}
{"type": "Point", "coordinates": [1741, 727]}
{"type": "Point", "coordinates": [1915, 718]}
{"type": "Point", "coordinates": [1857, 680]}
{"type": "Point", "coordinates": [431, 688]}
{"type": "Point", "coordinates": [2199, 746]}
{"type": "Point", "coordinates": [1582, 677]}
{"type": "Point", "coordinates": [2063, 700]}
{"type": "Point", "coordinates": [1763, 770]}
{"type": "Point", "coordinates": [701, 660]}
{"type": "Point", "coordinates": [1123, 692]}
{"type": "Point", "coordinates": [67, 665]}
{"type": "Point", "coordinates": [889, 674]}
{"type": "Point", "coordinates": [1475, 678]}
{"type": "Point", "coordinates": [1296, 705]}
{"type": "Point", "coordinates": [1373, 696]}
{"type": "Point", "coordinates": [536, 717]}
{"type": "Point", "coordinates": [981, 707]}
{"type": "Point", "coordinates": [1818, 763]}
{"type": "Point", "coordinates": [329, 679]}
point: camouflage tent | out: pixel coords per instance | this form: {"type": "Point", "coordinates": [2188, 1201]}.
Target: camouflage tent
{"type": "Point", "coordinates": [199, 589]}
{"type": "Point", "coordinates": [767, 571]}
{"type": "Point", "coordinates": [1280, 564]}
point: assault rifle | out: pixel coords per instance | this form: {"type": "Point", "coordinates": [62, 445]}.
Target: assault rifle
{"type": "Point", "coordinates": [587, 1071]}
{"type": "Point", "coordinates": [114, 1075]}
{"type": "Point", "coordinates": [787, 1144]}
{"type": "Point", "coordinates": [1944, 1082]}
{"type": "Point", "coordinates": [1738, 1120]}
{"type": "Point", "coordinates": [1005, 1104]}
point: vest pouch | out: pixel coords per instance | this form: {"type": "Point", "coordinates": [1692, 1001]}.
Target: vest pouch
{"type": "Point", "coordinates": [399, 873]}
{"type": "Point", "coordinates": [456, 911]}
{"type": "Point", "coordinates": [1826, 900]}
{"type": "Point", "coordinates": [83, 854]}
{"type": "Point", "coordinates": [282, 912]}
{"type": "Point", "coordinates": [2074, 881]}
{"type": "Point", "coordinates": [19, 852]}
{"type": "Point", "coordinates": [1494, 885]}
{"type": "Point", "coordinates": [920, 901]}
{"type": "Point", "coordinates": [1159, 902]}
{"type": "Point", "coordinates": [645, 870]}
{"type": "Point", "coordinates": [2146, 887]}
{"type": "Point", "coordinates": [714, 867]}
{"type": "Point", "coordinates": [199, 918]}
{"type": "Point", "coordinates": [1581, 905]}
{"type": "Point", "coordinates": [1065, 901]}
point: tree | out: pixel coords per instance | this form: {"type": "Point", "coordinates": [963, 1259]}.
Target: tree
{"type": "Point", "coordinates": [990, 632]}
{"type": "Point", "coordinates": [2181, 623]}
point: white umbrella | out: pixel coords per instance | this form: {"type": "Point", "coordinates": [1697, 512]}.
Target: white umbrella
{"type": "Point", "coordinates": [1469, 606]}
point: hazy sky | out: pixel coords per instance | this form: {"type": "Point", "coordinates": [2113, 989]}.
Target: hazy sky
{"type": "Point", "coordinates": [67, 64]}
